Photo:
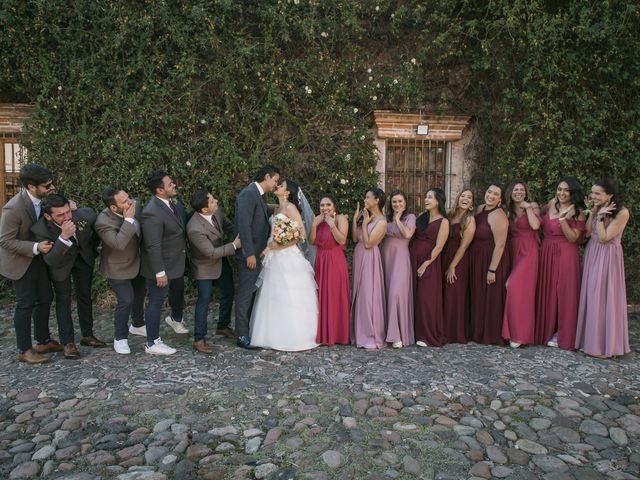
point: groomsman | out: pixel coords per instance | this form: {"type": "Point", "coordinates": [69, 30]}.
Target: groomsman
{"type": "Point", "coordinates": [21, 262]}
{"type": "Point", "coordinates": [209, 267]}
{"type": "Point", "coordinates": [252, 224]}
{"type": "Point", "coordinates": [118, 226]}
{"type": "Point", "coordinates": [72, 257]}
{"type": "Point", "coordinates": [163, 259]}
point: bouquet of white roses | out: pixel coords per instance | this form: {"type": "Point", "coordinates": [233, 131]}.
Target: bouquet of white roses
{"type": "Point", "coordinates": [285, 230]}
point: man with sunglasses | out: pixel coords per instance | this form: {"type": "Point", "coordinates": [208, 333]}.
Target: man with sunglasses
{"type": "Point", "coordinates": [21, 261]}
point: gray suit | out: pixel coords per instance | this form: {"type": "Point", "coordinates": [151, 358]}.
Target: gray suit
{"type": "Point", "coordinates": [28, 272]}
{"type": "Point", "coordinates": [252, 224]}
{"type": "Point", "coordinates": [207, 246]}
{"type": "Point", "coordinates": [164, 240]}
{"type": "Point", "coordinates": [66, 262]}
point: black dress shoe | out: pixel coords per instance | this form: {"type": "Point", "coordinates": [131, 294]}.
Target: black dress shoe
{"type": "Point", "coordinates": [245, 342]}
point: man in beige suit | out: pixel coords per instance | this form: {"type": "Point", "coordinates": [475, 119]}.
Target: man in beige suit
{"type": "Point", "coordinates": [21, 262]}
{"type": "Point", "coordinates": [209, 267]}
{"type": "Point", "coordinates": [118, 227]}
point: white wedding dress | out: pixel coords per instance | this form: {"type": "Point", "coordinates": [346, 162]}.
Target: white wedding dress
{"type": "Point", "coordinates": [285, 312]}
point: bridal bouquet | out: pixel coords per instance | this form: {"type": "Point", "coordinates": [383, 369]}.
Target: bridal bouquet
{"type": "Point", "coordinates": [285, 230]}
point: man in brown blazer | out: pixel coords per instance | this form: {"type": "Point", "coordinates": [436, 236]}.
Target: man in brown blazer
{"type": "Point", "coordinates": [118, 226]}
{"type": "Point", "coordinates": [21, 262]}
{"type": "Point", "coordinates": [209, 267]}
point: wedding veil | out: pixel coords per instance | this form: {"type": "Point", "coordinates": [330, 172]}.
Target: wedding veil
{"type": "Point", "coordinates": [308, 250]}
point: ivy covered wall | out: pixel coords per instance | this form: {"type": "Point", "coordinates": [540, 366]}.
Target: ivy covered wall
{"type": "Point", "coordinates": [209, 89]}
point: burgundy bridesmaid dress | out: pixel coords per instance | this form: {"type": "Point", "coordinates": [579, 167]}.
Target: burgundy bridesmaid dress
{"type": "Point", "coordinates": [368, 306]}
{"type": "Point", "coordinates": [428, 313]}
{"type": "Point", "coordinates": [602, 314]}
{"type": "Point", "coordinates": [487, 301]}
{"type": "Point", "coordinates": [519, 320]}
{"type": "Point", "coordinates": [398, 283]}
{"type": "Point", "coordinates": [456, 295]}
{"type": "Point", "coordinates": [558, 289]}
{"type": "Point", "coordinates": [332, 278]}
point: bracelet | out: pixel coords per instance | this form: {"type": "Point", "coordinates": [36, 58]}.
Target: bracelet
{"type": "Point", "coordinates": [492, 271]}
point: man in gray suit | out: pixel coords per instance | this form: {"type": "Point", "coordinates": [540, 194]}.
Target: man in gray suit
{"type": "Point", "coordinates": [163, 259]}
{"type": "Point", "coordinates": [252, 224]}
{"type": "Point", "coordinates": [118, 226]}
{"type": "Point", "coordinates": [73, 256]}
{"type": "Point", "coordinates": [209, 267]}
{"type": "Point", "coordinates": [21, 262]}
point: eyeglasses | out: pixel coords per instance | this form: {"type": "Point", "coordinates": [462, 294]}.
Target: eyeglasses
{"type": "Point", "coordinates": [48, 185]}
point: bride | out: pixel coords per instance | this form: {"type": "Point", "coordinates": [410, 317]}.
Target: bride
{"type": "Point", "coordinates": [285, 312]}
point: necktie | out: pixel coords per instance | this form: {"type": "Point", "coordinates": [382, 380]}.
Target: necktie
{"type": "Point", "coordinates": [214, 221]}
{"type": "Point", "coordinates": [38, 207]}
{"type": "Point", "coordinates": [173, 208]}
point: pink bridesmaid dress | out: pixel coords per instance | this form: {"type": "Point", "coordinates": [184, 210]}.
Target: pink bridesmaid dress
{"type": "Point", "coordinates": [368, 305]}
{"type": "Point", "coordinates": [518, 324]}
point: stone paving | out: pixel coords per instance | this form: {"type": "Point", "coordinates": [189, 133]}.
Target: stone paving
{"type": "Point", "coordinates": [459, 412]}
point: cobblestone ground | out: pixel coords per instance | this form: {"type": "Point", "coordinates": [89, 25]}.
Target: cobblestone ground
{"type": "Point", "coordinates": [462, 411]}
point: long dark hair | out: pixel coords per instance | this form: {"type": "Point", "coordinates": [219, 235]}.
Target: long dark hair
{"type": "Point", "coordinates": [293, 189]}
{"type": "Point", "coordinates": [575, 190]}
{"type": "Point", "coordinates": [611, 187]}
{"type": "Point", "coordinates": [423, 219]}
{"type": "Point", "coordinates": [390, 212]}
{"type": "Point", "coordinates": [465, 217]}
{"type": "Point", "coordinates": [379, 195]}
{"type": "Point", "coordinates": [509, 205]}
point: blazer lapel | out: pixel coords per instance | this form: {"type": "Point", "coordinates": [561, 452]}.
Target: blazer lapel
{"type": "Point", "coordinates": [165, 208]}
{"type": "Point", "coordinates": [262, 202]}
{"type": "Point", "coordinates": [28, 205]}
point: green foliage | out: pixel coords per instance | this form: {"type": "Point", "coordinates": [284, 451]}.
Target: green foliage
{"type": "Point", "coordinates": [210, 89]}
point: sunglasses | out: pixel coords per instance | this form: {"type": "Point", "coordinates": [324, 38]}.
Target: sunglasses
{"type": "Point", "coordinates": [48, 185]}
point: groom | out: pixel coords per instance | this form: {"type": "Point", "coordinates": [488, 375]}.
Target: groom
{"type": "Point", "coordinates": [252, 224]}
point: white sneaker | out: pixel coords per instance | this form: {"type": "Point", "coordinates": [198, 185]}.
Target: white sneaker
{"type": "Point", "coordinates": [121, 346]}
{"type": "Point", "coordinates": [514, 344]}
{"type": "Point", "coordinates": [140, 331]}
{"type": "Point", "coordinates": [178, 327]}
{"type": "Point", "coordinates": [420, 343]}
{"type": "Point", "coordinates": [397, 344]}
{"type": "Point", "coordinates": [159, 348]}
{"type": "Point", "coordinates": [553, 342]}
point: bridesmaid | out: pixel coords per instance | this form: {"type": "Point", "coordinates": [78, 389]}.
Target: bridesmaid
{"type": "Point", "coordinates": [329, 232]}
{"type": "Point", "coordinates": [558, 288]}
{"type": "Point", "coordinates": [397, 271]}
{"type": "Point", "coordinates": [368, 304]}
{"type": "Point", "coordinates": [489, 269]}
{"type": "Point", "coordinates": [456, 261]}
{"type": "Point", "coordinates": [602, 314]}
{"type": "Point", "coordinates": [431, 235]}
{"type": "Point", "coordinates": [518, 324]}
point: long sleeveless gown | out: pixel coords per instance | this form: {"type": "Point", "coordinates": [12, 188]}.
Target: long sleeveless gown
{"type": "Point", "coordinates": [428, 312]}
{"type": "Point", "coordinates": [602, 313]}
{"type": "Point", "coordinates": [456, 295]}
{"type": "Point", "coordinates": [368, 305]}
{"type": "Point", "coordinates": [558, 288]}
{"type": "Point", "coordinates": [519, 320]}
{"type": "Point", "coordinates": [332, 277]}
{"type": "Point", "coordinates": [487, 301]}
{"type": "Point", "coordinates": [398, 285]}
{"type": "Point", "coordinates": [285, 312]}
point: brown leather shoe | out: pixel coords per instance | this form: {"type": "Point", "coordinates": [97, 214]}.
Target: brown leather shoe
{"type": "Point", "coordinates": [92, 341]}
{"type": "Point", "coordinates": [32, 357]}
{"type": "Point", "coordinates": [50, 346]}
{"type": "Point", "coordinates": [226, 332]}
{"type": "Point", "coordinates": [202, 346]}
{"type": "Point", "coordinates": [71, 351]}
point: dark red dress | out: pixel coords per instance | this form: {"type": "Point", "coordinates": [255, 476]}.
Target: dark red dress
{"type": "Point", "coordinates": [456, 295]}
{"type": "Point", "coordinates": [487, 301]}
{"type": "Point", "coordinates": [427, 290]}
{"type": "Point", "coordinates": [520, 306]}
{"type": "Point", "coordinates": [558, 289]}
{"type": "Point", "coordinates": [332, 278]}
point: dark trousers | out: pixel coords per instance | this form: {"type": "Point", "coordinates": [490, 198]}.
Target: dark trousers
{"type": "Point", "coordinates": [246, 295]}
{"type": "Point", "coordinates": [130, 295]}
{"type": "Point", "coordinates": [157, 296]}
{"type": "Point", "coordinates": [33, 301]}
{"type": "Point", "coordinates": [82, 275]}
{"type": "Point", "coordinates": [205, 289]}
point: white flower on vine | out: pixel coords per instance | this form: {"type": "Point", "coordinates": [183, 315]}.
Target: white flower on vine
{"type": "Point", "coordinates": [377, 8]}
{"type": "Point", "coordinates": [347, 157]}
{"type": "Point", "coordinates": [368, 70]}
{"type": "Point", "coordinates": [187, 163]}
{"type": "Point", "coordinates": [59, 87]}
{"type": "Point", "coordinates": [395, 81]}
{"type": "Point", "coordinates": [203, 121]}
{"type": "Point", "coordinates": [308, 90]}
{"type": "Point", "coordinates": [414, 61]}
{"type": "Point", "coordinates": [355, 110]}
{"type": "Point", "coordinates": [362, 137]}
{"type": "Point", "coordinates": [324, 34]}
{"type": "Point", "coordinates": [344, 181]}
{"type": "Point", "coordinates": [374, 98]}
